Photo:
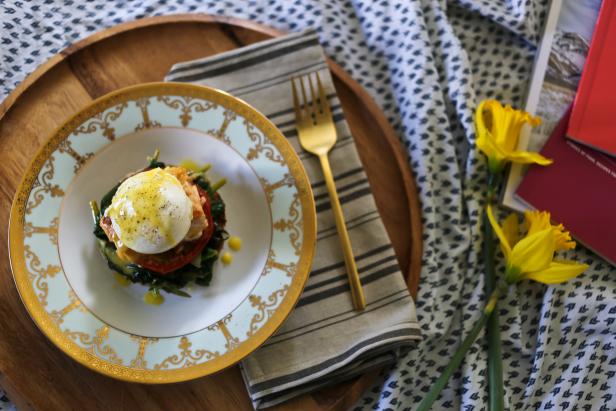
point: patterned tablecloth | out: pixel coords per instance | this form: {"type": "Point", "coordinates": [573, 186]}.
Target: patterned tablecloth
{"type": "Point", "coordinates": [427, 63]}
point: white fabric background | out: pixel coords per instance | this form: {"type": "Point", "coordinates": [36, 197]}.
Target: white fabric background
{"type": "Point", "coordinates": [427, 64]}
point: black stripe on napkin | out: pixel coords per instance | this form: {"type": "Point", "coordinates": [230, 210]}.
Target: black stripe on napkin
{"type": "Point", "coordinates": [366, 310]}
{"type": "Point", "coordinates": [340, 264]}
{"type": "Point", "coordinates": [290, 110]}
{"type": "Point", "coordinates": [326, 205]}
{"type": "Point", "coordinates": [336, 109]}
{"type": "Point", "coordinates": [293, 132]}
{"type": "Point", "coordinates": [344, 141]}
{"type": "Point", "coordinates": [340, 176]}
{"type": "Point", "coordinates": [251, 61]}
{"type": "Point", "coordinates": [344, 288]}
{"type": "Point", "coordinates": [279, 79]}
{"type": "Point", "coordinates": [351, 311]}
{"type": "Point", "coordinates": [350, 227]}
{"type": "Point", "coordinates": [243, 52]}
{"type": "Point", "coordinates": [324, 232]}
{"type": "Point", "coordinates": [342, 189]}
{"type": "Point", "coordinates": [407, 332]}
{"type": "Point", "coordinates": [343, 276]}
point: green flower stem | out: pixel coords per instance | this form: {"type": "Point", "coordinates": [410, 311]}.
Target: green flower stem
{"type": "Point", "coordinates": [494, 181]}
{"type": "Point", "coordinates": [457, 358]}
{"type": "Point", "coordinates": [495, 363]}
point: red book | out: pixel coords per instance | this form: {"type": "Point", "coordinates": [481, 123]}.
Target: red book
{"type": "Point", "coordinates": [578, 189]}
{"type": "Point", "coordinates": [593, 120]}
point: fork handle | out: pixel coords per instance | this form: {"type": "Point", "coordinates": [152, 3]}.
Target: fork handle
{"type": "Point", "coordinates": [357, 292]}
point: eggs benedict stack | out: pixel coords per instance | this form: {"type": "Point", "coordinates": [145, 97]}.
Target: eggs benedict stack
{"type": "Point", "coordinates": [162, 226]}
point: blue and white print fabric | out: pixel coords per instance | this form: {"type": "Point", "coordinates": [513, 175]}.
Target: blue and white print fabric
{"type": "Point", "coordinates": [427, 63]}
{"type": "Point", "coordinates": [5, 403]}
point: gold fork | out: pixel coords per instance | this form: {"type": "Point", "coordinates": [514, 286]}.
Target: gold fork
{"type": "Point", "coordinates": [317, 135]}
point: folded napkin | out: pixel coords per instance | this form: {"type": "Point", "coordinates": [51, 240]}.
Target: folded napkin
{"type": "Point", "coordinates": [324, 340]}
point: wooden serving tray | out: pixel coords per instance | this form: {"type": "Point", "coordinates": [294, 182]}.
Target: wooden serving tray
{"type": "Point", "coordinates": [33, 371]}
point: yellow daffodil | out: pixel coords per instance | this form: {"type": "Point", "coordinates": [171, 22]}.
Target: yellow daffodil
{"type": "Point", "coordinates": [498, 130]}
{"type": "Point", "coordinates": [532, 257]}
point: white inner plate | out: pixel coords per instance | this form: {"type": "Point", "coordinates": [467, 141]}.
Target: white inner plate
{"type": "Point", "coordinates": [248, 217]}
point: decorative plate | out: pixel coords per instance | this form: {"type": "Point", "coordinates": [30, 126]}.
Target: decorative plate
{"type": "Point", "coordinates": [71, 294]}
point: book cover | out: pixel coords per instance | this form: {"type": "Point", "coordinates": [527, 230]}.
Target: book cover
{"type": "Point", "coordinates": [594, 108]}
{"type": "Point", "coordinates": [578, 189]}
{"type": "Point", "coordinates": [556, 73]}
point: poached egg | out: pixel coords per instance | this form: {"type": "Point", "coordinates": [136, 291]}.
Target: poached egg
{"type": "Point", "coordinates": [150, 212]}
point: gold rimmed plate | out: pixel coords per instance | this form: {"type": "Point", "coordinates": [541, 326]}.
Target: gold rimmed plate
{"type": "Point", "coordinates": [72, 295]}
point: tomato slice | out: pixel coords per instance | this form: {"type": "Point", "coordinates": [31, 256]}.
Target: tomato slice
{"type": "Point", "coordinates": [186, 251]}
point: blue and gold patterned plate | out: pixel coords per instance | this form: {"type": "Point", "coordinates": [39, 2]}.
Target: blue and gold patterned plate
{"type": "Point", "coordinates": [74, 298]}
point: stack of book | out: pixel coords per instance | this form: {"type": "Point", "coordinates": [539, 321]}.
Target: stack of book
{"type": "Point", "coordinates": [574, 93]}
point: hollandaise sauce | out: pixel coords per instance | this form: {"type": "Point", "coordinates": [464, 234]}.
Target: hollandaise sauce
{"type": "Point", "coordinates": [235, 243]}
{"type": "Point", "coordinates": [151, 212]}
{"type": "Point", "coordinates": [153, 298]}
{"type": "Point", "coordinates": [226, 258]}
{"type": "Point", "coordinates": [122, 280]}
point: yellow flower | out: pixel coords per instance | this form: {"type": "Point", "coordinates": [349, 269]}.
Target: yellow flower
{"type": "Point", "coordinates": [498, 130]}
{"type": "Point", "coordinates": [532, 257]}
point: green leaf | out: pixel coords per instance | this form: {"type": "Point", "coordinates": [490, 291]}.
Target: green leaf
{"type": "Point", "coordinates": [219, 184]}
{"type": "Point", "coordinates": [205, 279]}
{"type": "Point", "coordinates": [495, 362]}
{"type": "Point", "coordinates": [208, 254]}
{"type": "Point", "coordinates": [454, 363]}
{"type": "Point", "coordinates": [217, 208]}
{"type": "Point", "coordinates": [98, 231]}
{"type": "Point", "coordinates": [156, 164]}
{"type": "Point", "coordinates": [106, 200]}
{"type": "Point", "coordinates": [173, 290]}
{"type": "Point", "coordinates": [153, 160]}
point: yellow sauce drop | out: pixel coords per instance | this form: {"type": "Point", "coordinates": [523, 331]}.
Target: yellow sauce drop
{"type": "Point", "coordinates": [226, 258]}
{"type": "Point", "coordinates": [120, 279]}
{"type": "Point", "coordinates": [153, 298]}
{"type": "Point", "coordinates": [235, 243]}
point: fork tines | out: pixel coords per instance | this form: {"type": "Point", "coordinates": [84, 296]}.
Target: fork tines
{"type": "Point", "coordinates": [317, 107]}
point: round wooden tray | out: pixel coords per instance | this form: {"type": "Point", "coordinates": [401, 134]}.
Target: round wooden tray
{"type": "Point", "coordinates": [36, 374]}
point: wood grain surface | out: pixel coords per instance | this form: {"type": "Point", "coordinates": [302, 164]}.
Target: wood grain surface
{"type": "Point", "coordinates": [39, 376]}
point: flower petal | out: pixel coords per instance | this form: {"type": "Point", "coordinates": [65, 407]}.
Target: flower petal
{"type": "Point", "coordinates": [527, 157]}
{"type": "Point", "coordinates": [511, 228]}
{"type": "Point", "coordinates": [504, 118]}
{"type": "Point", "coordinates": [480, 123]}
{"type": "Point", "coordinates": [491, 112]}
{"type": "Point", "coordinates": [518, 119]}
{"type": "Point", "coordinates": [534, 252]}
{"type": "Point", "coordinates": [490, 119]}
{"type": "Point", "coordinates": [495, 155]}
{"type": "Point", "coordinates": [498, 131]}
{"type": "Point", "coordinates": [505, 245]}
{"type": "Point", "coordinates": [485, 144]}
{"type": "Point", "coordinates": [536, 221]}
{"type": "Point", "coordinates": [483, 124]}
{"type": "Point", "coordinates": [563, 238]}
{"type": "Point", "coordinates": [558, 272]}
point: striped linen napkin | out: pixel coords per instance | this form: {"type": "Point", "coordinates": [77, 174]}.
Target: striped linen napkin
{"type": "Point", "coordinates": [324, 340]}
